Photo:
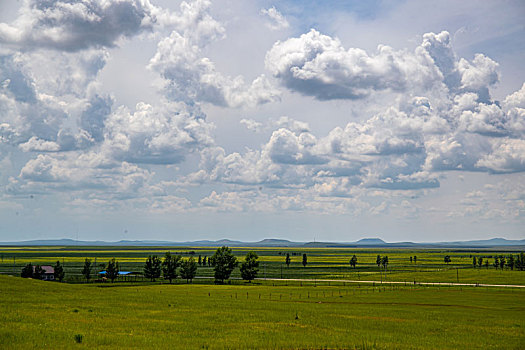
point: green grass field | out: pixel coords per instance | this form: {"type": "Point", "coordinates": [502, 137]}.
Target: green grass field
{"type": "Point", "coordinates": [275, 314]}
{"type": "Point", "coordinates": [37, 314]}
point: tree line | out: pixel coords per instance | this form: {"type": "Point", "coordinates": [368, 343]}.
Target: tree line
{"type": "Point", "coordinates": [172, 266]}
{"type": "Point", "coordinates": [224, 262]}
{"type": "Point", "coordinates": [501, 261]}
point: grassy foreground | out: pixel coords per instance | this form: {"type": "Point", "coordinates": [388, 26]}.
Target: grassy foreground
{"type": "Point", "coordinates": [37, 314]}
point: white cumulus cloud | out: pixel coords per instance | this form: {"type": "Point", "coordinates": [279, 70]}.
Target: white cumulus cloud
{"type": "Point", "coordinates": [276, 21]}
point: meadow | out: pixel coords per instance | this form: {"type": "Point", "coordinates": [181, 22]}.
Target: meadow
{"type": "Point", "coordinates": [276, 314]}
{"type": "Point", "coordinates": [38, 314]}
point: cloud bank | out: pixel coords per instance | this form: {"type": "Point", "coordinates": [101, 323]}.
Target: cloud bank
{"type": "Point", "coordinates": [69, 137]}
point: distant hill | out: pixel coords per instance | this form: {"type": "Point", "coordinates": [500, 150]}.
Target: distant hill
{"type": "Point", "coordinates": [273, 242]}
{"type": "Point", "coordinates": [370, 241]}
{"type": "Point", "coordinates": [489, 242]}
{"type": "Point", "coordinates": [221, 242]}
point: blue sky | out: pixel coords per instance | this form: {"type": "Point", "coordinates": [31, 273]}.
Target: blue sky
{"type": "Point", "coordinates": [331, 121]}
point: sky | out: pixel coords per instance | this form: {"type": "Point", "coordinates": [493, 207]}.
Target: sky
{"type": "Point", "coordinates": [300, 120]}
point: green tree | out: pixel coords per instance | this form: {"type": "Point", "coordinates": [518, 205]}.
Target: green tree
{"type": "Point", "coordinates": [27, 271]}
{"type": "Point", "coordinates": [86, 270]}
{"type": "Point", "coordinates": [353, 261]}
{"type": "Point", "coordinates": [200, 260]}
{"type": "Point", "coordinates": [447, 259]}
{"type": "Point", "coordinates": [305, 260]}
{"type": "Point", "coordinates": [474, 261]}
{"type": "Point", "coordinates": [496, 262]}
{"type": "Point", "coordinates": [411, 260]}
{"type": "Point", "coordinates": [204, 262]}
{"type": "Point", "coordinates": [510, 261]}
{"type": "Point", "coordinates": [112, 269]}
{"type": "Point", "coordinates": [59, 272]}
{"type": "Point", "coordinates": [415, 259]}
{"type": "Point", "coordinates": [152, 267]}
{"type": "Point", "coordinates": [384, 262]}
{"type": "Point", "coordinates": [188, 269]}
{"type": "Point", "coordinates": [520, 261]}
{"type": "Point", "coordinates": [501, 262]}
{"type": "Point", "coordinates": [224, 262]}
{"type": "Point", "coordinates": [480, 261]}
{"type": "Point", "coordinates": [38, 272]}
{"type": "Point", "coordinates": [378, 260]}
{"type": "Point", "coordinates": [250, 267]}
{"type": "Point", "coordinates": [287, 261]}
{"type": "Point", "coordinates": [170, 265]}
{"type": "Point", "coordinates": [487, 263]}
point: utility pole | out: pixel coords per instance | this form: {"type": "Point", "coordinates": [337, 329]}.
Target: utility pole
{"type": "Point", "coordinates": [457, 274]}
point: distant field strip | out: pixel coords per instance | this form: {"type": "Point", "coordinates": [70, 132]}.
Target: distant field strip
{"type": "Point", "coordinates": [397, 282]}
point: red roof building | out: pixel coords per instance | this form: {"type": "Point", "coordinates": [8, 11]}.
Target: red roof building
{"type": "Point", "coordinates": [49, 272]}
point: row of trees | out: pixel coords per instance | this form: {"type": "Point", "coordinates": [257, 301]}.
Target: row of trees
{"type": "Point", "coordinates": [502, 261]}
{"type": "Point", "coordinates": [204, 261]}
{"type": "Point", "coordinates": [154, 267]}
{"type": "Point", "coordinates": [223, 262]}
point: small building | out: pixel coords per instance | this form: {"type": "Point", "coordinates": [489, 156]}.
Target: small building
{"type": "Point", "coordinates": [49, 272]}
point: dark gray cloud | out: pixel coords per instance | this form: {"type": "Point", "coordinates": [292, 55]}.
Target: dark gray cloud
{"type": "Point", "coordinates": [15, 81]}
{"type": "Point", "coordinates": [94, 116]}
{"type": "Point", "coordinates": [72, 25]}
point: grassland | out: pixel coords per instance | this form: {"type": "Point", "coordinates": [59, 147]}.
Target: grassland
{"type": "Point", "coordinates": [277, 314]}
{"type": "Point", "coordinates": [37, 314]}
